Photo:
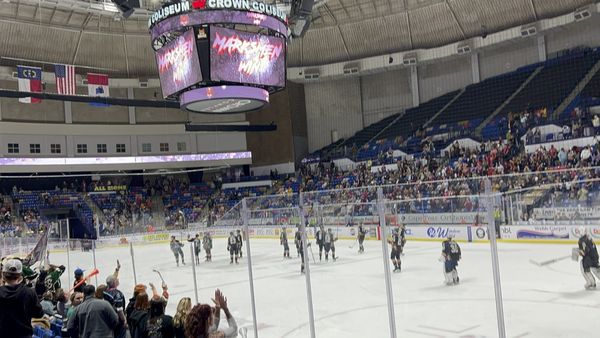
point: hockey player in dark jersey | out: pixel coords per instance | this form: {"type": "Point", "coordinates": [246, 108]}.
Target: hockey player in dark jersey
{"type": "Point", "coordinates": [301, 246]}
{"type": "Point", "coordinates": [232, 247]}
{"type": "Point", "coordinates": [320, 238]}
{"type": "Point", "coordinates": [297, 238]}
{"type": "Point", "coordinates": [196, 242]}
{"type": "Point", "coordinates": [176, 248]}
{"type": "Point", "coordinates": [451, 255]}
{"type": "Point", "coordinates": [396, 244]}
{"type": "Point", "coordinates": [329, 243]}
{"type": "Point", "coordinates": [283, 240]}
{"type": "Point", "coordinates": [589, 259]}
{"type": "Point", "coordinates": [207, 244]}
{"type": "Point", "coordinates": [239, 241]}
{"type": "Point", "coordinates": [360, 236]}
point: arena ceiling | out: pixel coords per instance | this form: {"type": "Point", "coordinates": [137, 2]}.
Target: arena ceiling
{"type": "Point", "coordinates": [79, 32]}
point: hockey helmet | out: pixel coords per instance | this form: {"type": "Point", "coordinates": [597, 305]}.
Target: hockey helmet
{"type": "Point", "coordinates": [582, 231]}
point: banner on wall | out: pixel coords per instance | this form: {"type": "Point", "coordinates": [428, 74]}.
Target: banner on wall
{"type": "Point", "coordinates": [567, 213]}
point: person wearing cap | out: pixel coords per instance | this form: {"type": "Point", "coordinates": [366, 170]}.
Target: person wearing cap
{"type": "Point", "coordinates": [112, 283]}
{"type": "Point", "coordinates": [93, 318]}
{"type": "Point", "coordinates": [451, 256]}
{"type": "Point", "coordinates": [78, 279]}
{"type": "Point", "coordinates": [18, 303]}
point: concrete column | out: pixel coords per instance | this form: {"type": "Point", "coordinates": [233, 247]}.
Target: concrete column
{"type": "Point", "coordinates": [193, 144]}
{"type": "Point", "coordinates": [68, 112]}
{"type": "Point", "coordinates": [131, 109]}
{"type": "Point", "coordinates": [70, 146]}
{"type": "Point", "coordinates": [133, 145]}
{"type": "Point", "coordinates": [475, 67]}
{"type": "Point", "coordinates": [541, 46]}
{"type": "Point", "coordinates": [414, 85]}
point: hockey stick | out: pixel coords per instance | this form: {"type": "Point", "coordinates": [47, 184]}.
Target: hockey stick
{"type": "Point", "coordinates": [160, 275]}
{"type": "Point", "coordinates": [548, 262]}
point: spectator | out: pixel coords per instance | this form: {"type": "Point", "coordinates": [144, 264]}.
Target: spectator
{"type": "Point", "coordinates": [79, 279]}
{"type": "Point", "coordinates": [596, 121]}
{"type": "Point", "coordinates": [138, 289]}
{"type": "Point", "coordinates": [566, 131]}
{"type": "Point", "coordinates": [75, 299]}
{"type": "Point", "coordinates": [159, 325]}
{"type": "Point", "coordinates": [112, 283]}
{"type": "Point", "coordinates": [18, 303]}
{"type": "Point", "coordinates": [139, 316]}
{"type": "Point", "coordinates": [61, 303]}
{"type": "Point", "coordinates": [183, 309]}
{"type": "Point", "coordinates": [201, 324]}
{"type": "Point", "coordinates": [93, 318]}
{"type": "Point", "coordinates": [47, 305]}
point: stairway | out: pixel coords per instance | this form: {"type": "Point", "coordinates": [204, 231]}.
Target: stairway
{"type": "Point", "coordinates": [575, 92]}
{"type": "Point", "coordinates": [98, 214]}
{"type": "Point", "coordinates": [444, 108]}
{"type": "Point", "coordinates": [386, 127]}
{"type": "Point", "coordinates": [507, 101]}
{"type": "Point", "coordinates": [158, 211]}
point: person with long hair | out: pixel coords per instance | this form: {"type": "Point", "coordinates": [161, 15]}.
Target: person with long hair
{"type": "Point", "coordinates": [139, 316]}
{"type": "Point", "coordinates": [203, 320]}
{"type": "Point", "coordinates": [183, 310]}
{"type": "Point", "coordinates": [159, 325]}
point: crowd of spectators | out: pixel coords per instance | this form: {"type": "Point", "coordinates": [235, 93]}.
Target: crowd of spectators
{"type": "Point", "coordinates": [33, 302]}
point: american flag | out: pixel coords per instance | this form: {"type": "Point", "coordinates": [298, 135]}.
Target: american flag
{"type": "Point", "coordinates": [65, 79]}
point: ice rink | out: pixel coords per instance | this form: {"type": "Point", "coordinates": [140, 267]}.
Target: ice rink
{"type": "Point", "coordinates": [349, 294]}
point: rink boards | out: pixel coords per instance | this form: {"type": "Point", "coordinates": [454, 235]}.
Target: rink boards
{"type": "Point", "coordinates": [463, 233]}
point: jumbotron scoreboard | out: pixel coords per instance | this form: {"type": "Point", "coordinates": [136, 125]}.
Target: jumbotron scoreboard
{"type": "Point", "coordinates": [220, 56]}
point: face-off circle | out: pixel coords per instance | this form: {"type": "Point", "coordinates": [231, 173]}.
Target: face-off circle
{"type": "Point", "coordinates": [224, 99]}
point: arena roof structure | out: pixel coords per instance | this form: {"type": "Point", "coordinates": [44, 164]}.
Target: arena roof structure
{"type": "Point", "coordinates": [91, 33]}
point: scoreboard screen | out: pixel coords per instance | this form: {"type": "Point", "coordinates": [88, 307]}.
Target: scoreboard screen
{"type": "Point", "coordinates": [244, 57]}
{"type": "Point", "coordinates": [178, 64]}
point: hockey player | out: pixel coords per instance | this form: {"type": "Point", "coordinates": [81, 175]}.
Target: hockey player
{"type": "Point", "coordinates": [207, 244]}
{"type": "Point", "coordinates": [320, 237]}
{"type": "Point", "coordinates": [283, 240]}
{"type": "Point", "coordinates": [589, 259]}
{"type": "Point", "coordinates": [329, 243]}
{"type": "Point", "coordinates": [360, 236]}
{"type": "Point", "coordinates": [451, 256]}
{"type": "Point", "coordinates": [197, 248]}
{"type": "Point", "coordinates": [176, 247]}
{"type": "Point", "coordinates": [232, 248]}
{"type": "Point", "coordinates": [238, 239]}
{"type": "Point", "coordinates": [402, 230]}
{"type": "Point", "coordinates": [396, 244]}
{"type": "Point", "coordinates": [301, 245]}
{"type": "Point", "coordinates": [297, 239]}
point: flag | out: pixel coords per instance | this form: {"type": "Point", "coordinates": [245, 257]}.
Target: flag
{"type": "Point", "coordinates": [30, 80]}
{"type": "Point", "coordinates": [39, 251]}
{"type": "Point", "coordinates": [98, 86]}
{"type": "Point", "coordinates": [65, 79]}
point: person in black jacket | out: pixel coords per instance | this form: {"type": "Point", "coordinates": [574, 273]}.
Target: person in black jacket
{"type": "Point", "coordinates": [18, 303]}
{"type": "Point", "coordinates": [159, 325]}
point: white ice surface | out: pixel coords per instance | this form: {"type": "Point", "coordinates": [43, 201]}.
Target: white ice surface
{"type": "Point", "coordinates": [349, 294]}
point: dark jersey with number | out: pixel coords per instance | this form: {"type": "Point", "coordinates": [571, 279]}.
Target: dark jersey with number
{"type": "Point", "coordinates": [320, 236]}
{"type": "Point", "coordinates": [451, 249]}
{"type": "Point", "coordinates": [361, 232]}
{"type": "Point", "coordinates": [589, 251]}
{"type": "Point", "coordinates": [238, 240]}
{"type": "Point", "coordinates": [283, 238]}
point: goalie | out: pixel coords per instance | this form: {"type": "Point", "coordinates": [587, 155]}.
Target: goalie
{"type": "Point", "coordinates": [589, 259]}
